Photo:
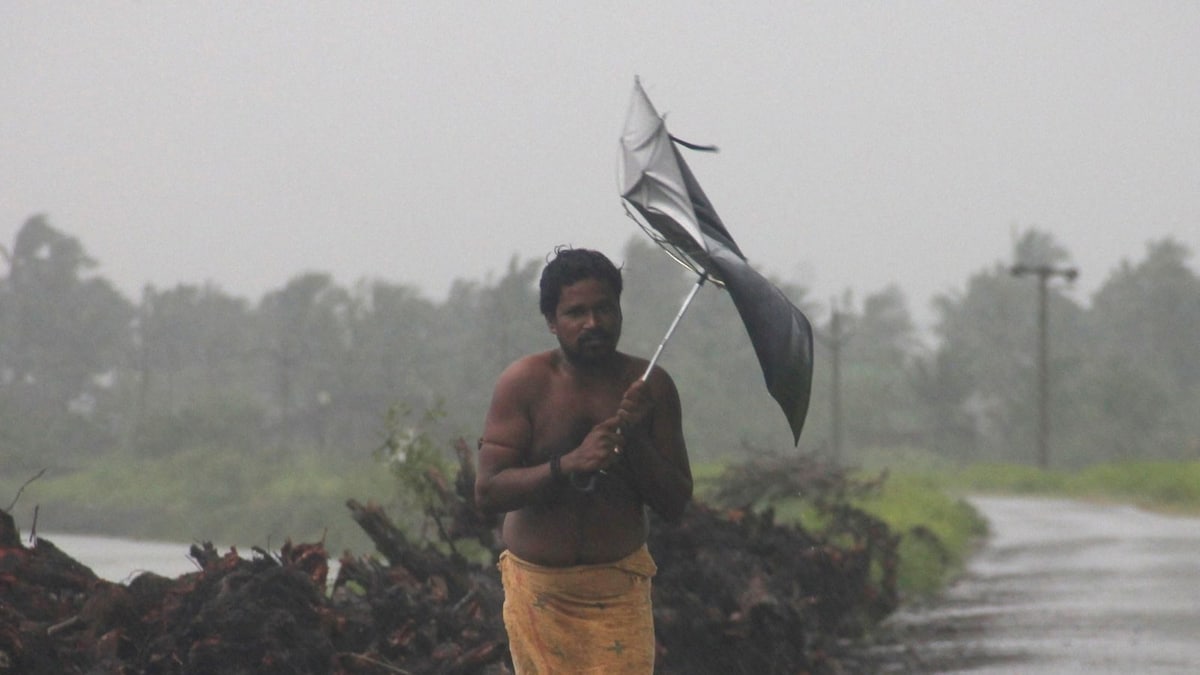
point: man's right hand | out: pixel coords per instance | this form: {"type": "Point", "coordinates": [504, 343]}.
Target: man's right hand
{"type": "Point", "coordinates": [599, 449]}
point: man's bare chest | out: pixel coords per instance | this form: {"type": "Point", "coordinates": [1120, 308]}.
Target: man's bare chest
{"type": "Point", "coordinates": [564, 417]}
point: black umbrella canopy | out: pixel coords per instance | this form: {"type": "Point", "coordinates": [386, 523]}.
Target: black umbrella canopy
{"type": "Point", "coordinates": [782, 336]}
{"type": "Point", "coordinates": [662, 195]}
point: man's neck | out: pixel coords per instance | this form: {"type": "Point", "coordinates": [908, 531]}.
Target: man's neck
{"type": "Point", "coordinates": [587, 368]}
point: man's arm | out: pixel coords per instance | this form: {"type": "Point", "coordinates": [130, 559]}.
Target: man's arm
{"type": "Point", "coordinates": [652, 423]}
{"type": "Point", "coordinates": [503, 482]}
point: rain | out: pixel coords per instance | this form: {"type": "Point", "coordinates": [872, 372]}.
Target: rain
{"type": "Point", "coordinates": [259, 259]}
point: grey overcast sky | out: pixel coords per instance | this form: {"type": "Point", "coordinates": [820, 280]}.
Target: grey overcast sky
{"type": "Point", "coordinates": [862, 143]}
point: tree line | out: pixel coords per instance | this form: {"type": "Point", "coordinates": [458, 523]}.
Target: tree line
{"type": "Point", "coordinates": [316, 366]}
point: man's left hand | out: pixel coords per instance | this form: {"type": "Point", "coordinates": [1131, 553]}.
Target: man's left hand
{"type": "Point", "coordinates": [636, 406]}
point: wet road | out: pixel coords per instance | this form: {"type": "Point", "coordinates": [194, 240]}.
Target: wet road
{"type": "Point", "coordinates": [1067, 587]}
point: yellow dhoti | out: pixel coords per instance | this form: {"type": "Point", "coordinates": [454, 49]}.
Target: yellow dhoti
{"type": "Point", "coordinates": [583, 619]}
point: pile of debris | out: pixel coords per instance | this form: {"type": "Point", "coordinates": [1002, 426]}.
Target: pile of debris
{"type": "Point", "coordinates": [736, 592]}
{"type": "Point", "coordinates": [266, 614]}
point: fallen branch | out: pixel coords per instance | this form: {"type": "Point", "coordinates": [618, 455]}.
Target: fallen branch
{"type": "Point", "coordinates": [64, 625]}
{"type": "Point", "coordinates": [22, 489]}
{"type": "Point", "coordinates": [33, 526]}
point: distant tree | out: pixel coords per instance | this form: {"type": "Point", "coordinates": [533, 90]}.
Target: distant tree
{"type": "Point", "coordinates": [1149, 313]}
{"type": "Point", "coordinates": [1035, 247]}
{"type": "Point", "coordinates": [479, 330]}
{"type": "Point", "coordinates": [989, 336]}
{"type": "Point", "coordinates": [193, 354]}
{"type": "Point", "coordinates": [62, 327]}
{"type": "Point", "coordinates": [315, 365]}
{"type": "Point", "coordinates": [877, 397]}
{"type": "Point", "coordinates": [655, 287]}
{"type": "Point", "coordinates": [1143, 376]}
{"type": "Point", "coordinates": [227, 423]}
{"type": "Point", "coordinates": [306, 332]}
{"type": "Point", "coordinates": [391, 360]}
{"type": "Point", "coordinates": [943, 392]}
{"type": "Point", "coordinates": [507, 316]}
{"type": "Point", "coordinates": [192, 338]}
{"type": "Point", "coordinates": [886, 326]}
{"type": "Point", "coordinates": [62, 335]}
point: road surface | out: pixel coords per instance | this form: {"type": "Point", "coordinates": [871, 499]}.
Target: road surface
{"type": "Point", "coordinates": [1066, 587]}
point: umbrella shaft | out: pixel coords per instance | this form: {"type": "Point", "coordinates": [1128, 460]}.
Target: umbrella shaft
{"type": "Point", "coordinates": [671, 329]}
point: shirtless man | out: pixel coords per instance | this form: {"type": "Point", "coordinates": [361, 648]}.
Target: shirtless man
{"type": "Point", "coordinates": [575, 446]}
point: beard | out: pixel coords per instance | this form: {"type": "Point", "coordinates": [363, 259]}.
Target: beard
{"type": "Point", "coordinates": [592, 348]}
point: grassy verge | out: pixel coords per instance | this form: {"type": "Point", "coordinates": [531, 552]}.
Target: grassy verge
{"type": "Point", "coordinates": [200, 496]}
{"type": "Point", "coordinates": [923, 499]}
{"type": "Point", "coordinates": [925, 493]}
{"type": "Point", "coordinates": [1161, 486]}
{"type": "Point", "coordinates": [937, 529]}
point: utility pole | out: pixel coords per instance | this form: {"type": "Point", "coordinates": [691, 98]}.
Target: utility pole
{"type": "Point", "coordinates": [1044, 274]}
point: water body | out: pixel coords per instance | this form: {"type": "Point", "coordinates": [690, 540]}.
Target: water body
{"type": "Point", "coordinates": [119, 560]}
{"type": "Point", "coordinates": [1068, 587]}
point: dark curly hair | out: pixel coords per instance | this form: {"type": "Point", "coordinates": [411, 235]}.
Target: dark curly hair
{"type": "Point", "coordinates": [571, 265]}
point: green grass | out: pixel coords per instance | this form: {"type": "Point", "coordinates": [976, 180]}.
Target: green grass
{"type": "Point", "coordinates": [705, 475]}
{"type": "Point", "coordinates": [1155, 485]}
{"type": "Point", "coordinates": [938, 528]}
{"type": "Point", "coordinates": [206, 496]}
{"type": "Point", "coordinates": [925, 492]}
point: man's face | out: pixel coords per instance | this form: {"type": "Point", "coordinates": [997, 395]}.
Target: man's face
{"type": "Point", "coordinates": [587, 321]}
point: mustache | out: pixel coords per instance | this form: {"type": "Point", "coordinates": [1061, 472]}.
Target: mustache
{"type": "Point", "coordinates": [595, 334]}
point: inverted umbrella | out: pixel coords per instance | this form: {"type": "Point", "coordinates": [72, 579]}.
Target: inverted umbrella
{"type": "Point", "coordinates": [661, 194]}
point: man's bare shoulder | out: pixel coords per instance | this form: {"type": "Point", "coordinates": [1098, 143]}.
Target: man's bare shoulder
{"type": "Point", "coordinates": [527, 371]}
{"type": "Point", "coordinates": [638, 365]}
{"type": "Point", "coordinates": [661, 385]}
{"type": "Point", "coordinates": [635, 364]}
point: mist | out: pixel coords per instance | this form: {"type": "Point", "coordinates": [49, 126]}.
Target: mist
{"type": "Point", "coordinates": [861, 145]}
